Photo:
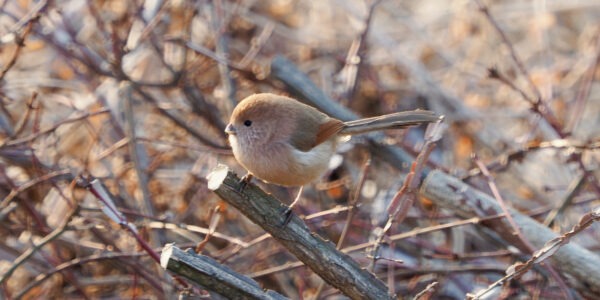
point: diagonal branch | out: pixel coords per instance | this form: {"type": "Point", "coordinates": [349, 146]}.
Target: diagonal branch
{"type": "Point", "coordinates": [335, 267]}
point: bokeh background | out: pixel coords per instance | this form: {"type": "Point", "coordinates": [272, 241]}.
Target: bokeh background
{"type": "Point", "coordinates": [137, 94]}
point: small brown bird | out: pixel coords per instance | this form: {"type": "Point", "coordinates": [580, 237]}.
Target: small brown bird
{"type": "Point", "coordinates": [285, 142]}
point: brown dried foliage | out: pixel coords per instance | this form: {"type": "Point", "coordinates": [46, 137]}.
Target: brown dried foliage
{"type": "Point", "coordinates": [137, 96]}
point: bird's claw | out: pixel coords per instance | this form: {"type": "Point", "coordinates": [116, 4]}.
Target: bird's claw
{"type": "Point", "coordinates": [243, 183]}
{"type": "Point", "coordinates": [287, 215]}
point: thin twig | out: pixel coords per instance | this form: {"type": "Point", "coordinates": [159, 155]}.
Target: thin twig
{"type": "Point", "coordinates": [451, 193]}
{"type": "Point", "coordinates": [513, 54]}
{"type": "Point", "coordinates": [20, 43]}
{"type": "Point", "coordinates": [36, 135]}
{"type": "Point", "coordinates": [139, 158]}
{"type": "Point", "coordinates": [256, 44]}
{"type": "Point", "coordinates": [574, 189]}
{"type": "Point", "coordinates": [496, 193]}
{"type": "Point", "coordinates": [394, 238]}
{"type": "Point", "coordinates": [31, 183]}
{"type": "Point", "coordinates": [353, 201]}
{"type": "Point", "coordinates": [583, 93]}
{"type": "Point", "coordinates": [96, 188]}
{"type": "Point", "coordinates": [357, 53]}
{"type": "Point", "coordinates": [178, 120]}
{"type": "Point", "coordinates": [351, 213]}
{"type": "Point", "coordinates": [77, 262]}
{"type": "Point", "coordinates": [36, 247]}
{"type": "Point", "coordinates": [549, 249]}
{"type": "Point", "coordinates": [222, 50]}
{"type": "Point", "coordinates": [427, 290]}
{"type": "Point", "coordinates": [403, 199]}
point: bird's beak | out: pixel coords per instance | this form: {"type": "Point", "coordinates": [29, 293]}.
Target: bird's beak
{"type": "Point", "coordinates": [230, 129]}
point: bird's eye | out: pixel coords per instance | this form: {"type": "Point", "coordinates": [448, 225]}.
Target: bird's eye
{"type": "Point", "coordinates": [247, 123]}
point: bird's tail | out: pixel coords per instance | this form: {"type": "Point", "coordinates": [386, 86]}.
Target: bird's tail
{"type": "Point", "coordinates": [391, 121]}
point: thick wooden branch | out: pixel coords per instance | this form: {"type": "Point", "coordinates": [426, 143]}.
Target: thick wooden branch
{"type": "Point", "coordinates": [211, 275]}
{"type": "Point", "coordinates": [335, 267]}
{"type": "Point", "coordinates": [580, 264]}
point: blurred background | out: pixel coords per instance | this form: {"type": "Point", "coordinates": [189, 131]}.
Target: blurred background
{"type": "Point", "coordinates": [137, 94]}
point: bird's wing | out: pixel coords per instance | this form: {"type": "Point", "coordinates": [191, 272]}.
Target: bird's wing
{"type": "Point", "coordinates": [328, 130]}
{"type": "Point", "coordinates": [313, 129]}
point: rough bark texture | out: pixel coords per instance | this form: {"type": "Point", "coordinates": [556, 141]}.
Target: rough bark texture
{"type": "Point", "coordinates": [212, 275]}
{"type": "Point", "coordinates": [335, 267]}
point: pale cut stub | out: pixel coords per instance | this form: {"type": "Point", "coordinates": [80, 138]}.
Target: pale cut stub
{"type": "Point", "coordinates": [216, 177]}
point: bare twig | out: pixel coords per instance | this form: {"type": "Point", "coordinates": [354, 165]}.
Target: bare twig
{"type": "Point", "coordinates": [502, 162]}
{"type": "Point", "coordinates": [537, 105]}
{"type": "Point", "coordinates": [405, 197]}
{"type": "Point", "coordinates": [102, 194]}
{"type": "Point", "coordinates": [351, 213]}
{"type": "Point", "coordinates": [222, 50]}
{"type": "Point", "coordinates": [513, 54]}
{"type": "Point", "coordinates": [178, 120]}
{"type": "Point", "coordinates": [139, 158]}
{"type": "Point", "coordinates": [395, 237]}
{"type": "Point", "coordinates": [549, 249]}
{"type": "Point", "coordinates": [356, 56]}
{"type": "Point", "coordinates": [583, 92]}
{"type": "Point", "coordinates": [511, 221]}
{"type": "Point", "coordinates": [427, 290]}
{"type": "Point", "coordinates": [31, 251]}
{"type": "Point", "coordinates": [256, 44]}
{"type": "Point", "coordinates": [20, 43]}
{"type": "Point", "coordinates": [77, 262]}
{"type": "Point", "coordinates": [451, 193]}
{"type": "Point", "coordinates": [574, 189]}
{"type": "Point", "coordinates": [36, 135]}
{"type": "Point", "coordinates": [502, 203]}
{"type": "Point", "coordinates": [214, 221]}
{"type": "Point", "coordinates": [353, 201]}
{"type": "Point", "coordinates": [49, 176]}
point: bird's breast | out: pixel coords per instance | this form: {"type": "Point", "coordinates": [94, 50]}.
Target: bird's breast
{"type": "Point", "coordinates": [282, 164]}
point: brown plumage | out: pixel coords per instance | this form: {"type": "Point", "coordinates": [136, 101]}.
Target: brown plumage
{"type": "Point", "coordinates": [286, 142]}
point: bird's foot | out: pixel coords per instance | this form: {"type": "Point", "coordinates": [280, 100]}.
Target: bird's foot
{"type": "Point", "coordinates": [287, 215]}
{"type": "Point", "coordinates": [243, 183]}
